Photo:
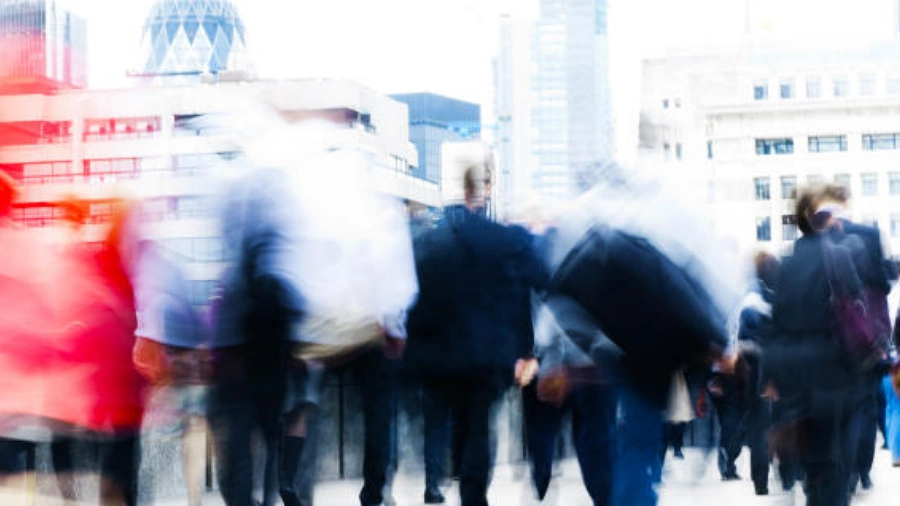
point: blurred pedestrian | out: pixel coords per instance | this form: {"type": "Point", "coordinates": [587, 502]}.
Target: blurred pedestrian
{"type": "Point", "coordinates": [874, 274]}
{"type": "Point", "coordinates": [470, 330]}
{"type": "Point", "coordinates": [172, 352]}
{"type": "Point", "coordinates": [570, 382]}
{"type": "Point", "coordinates": [625, 255]}
{"type": "Point", "coordinates": [891, 387]}
{"type": "Point", "coordinates": [754, 336]}
{"type": "Point", "coordinates": [819, 404]}
{"type": "Point", "coordinates": [679, 413]}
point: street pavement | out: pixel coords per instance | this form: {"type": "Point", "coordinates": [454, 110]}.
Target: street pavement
{"type": "Point", "coordinates": [690, 482]}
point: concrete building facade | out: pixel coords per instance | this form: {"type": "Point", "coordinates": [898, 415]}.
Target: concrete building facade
{"type": "Point", "coordinates": [756, 125]}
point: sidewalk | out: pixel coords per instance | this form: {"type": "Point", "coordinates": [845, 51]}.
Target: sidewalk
{"type": "Point", "coordinates": [681, 487]}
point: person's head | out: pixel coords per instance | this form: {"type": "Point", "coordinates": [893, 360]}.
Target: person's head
{"type": "Point", "coordinates": [835, 193]}
{"type": "Point", "coordinates": [470, 165]}
{"type": "Point", "coordinates": [819, 207]}
{"type": "Point", "coordinates": [767, 269]}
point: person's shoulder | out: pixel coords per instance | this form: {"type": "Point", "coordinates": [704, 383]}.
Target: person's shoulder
{"type": "Point", "coordinates": [854, 228]}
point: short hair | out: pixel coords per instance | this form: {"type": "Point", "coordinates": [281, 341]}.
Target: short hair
{"type": "Point", "coordinates": [808, 201]}
{"type": "Point", "coordinates": [767, 269]}
{"type": "Point", "coordinates": [836, 192]}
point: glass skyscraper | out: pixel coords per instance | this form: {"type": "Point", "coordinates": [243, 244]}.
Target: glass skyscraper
{"type": "Point", "coordinates": [434, 119]}
{"type": "Point", "coordinates": [184, 38]}
{"type": "Point", "coordinates": [571, 116]}
{"type": "Point", "coordinates": [42, 47]}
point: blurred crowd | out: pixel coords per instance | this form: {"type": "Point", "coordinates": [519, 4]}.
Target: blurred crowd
{"type": "Point", "coordinates": [622, 311]}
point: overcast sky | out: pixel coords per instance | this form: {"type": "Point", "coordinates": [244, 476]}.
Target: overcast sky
{"type": "Point", "coordinates": [446, 46]}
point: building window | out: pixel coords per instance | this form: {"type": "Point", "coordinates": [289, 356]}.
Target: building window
{"type": "Point", "coordinates": [894, 183]}
{"type": "Point", "coordinates": [787, 89]}
{"type": "Point", "coordinates": [774, 146]}
{"type": "Point", "coordinates": [813, 87]}
{"type": "Point", "coordinates": [870, 220]}
{"type": "Point", "coordinates": [665, 103]}
{"type": "Point", "coordinates": [815, 179]}
{"type": "Point", "coordinates": [895, 225]}
{"type": "Point", "coordinates": [867, 84]}
{"type": "Point", "coordinates": [840, 86]}
{"type": "Point", "coordinates": [667, 151]}
{"type": "Point", "coordinates": [878, 142]}
{"type": "Point", "coordinates": [762, 191]}
{"type": "Point", "coordinates": [761, 90]}
{"type": "Point", "coordinates": [764, 229]}
{"type": "Point", "coordinates": [678, 152]}
{"type": "Point", "coordinates": [788, 187]}
{"type": "Point", "coordinates": [843, 180]}
{"type": "Point", "coordinates": [678, 103]}
{"type": "Point", "coordinates": [709, 150]}
{"type": "Point", "coordinates": [789, 231]}
{"type": "Point", "coordinates": [870, 184]}
{"type": "Point", "coordinates": [827, 143]}
{"type": "Point", "coordinates": [892, 85]}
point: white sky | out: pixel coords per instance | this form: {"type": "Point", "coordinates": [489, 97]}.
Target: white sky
{"type": "Point", "coordinates": [446, 46]}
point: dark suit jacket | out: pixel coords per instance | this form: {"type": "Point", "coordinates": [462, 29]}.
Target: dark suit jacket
{"type": "Point", "coordinates": [474, 308]}
{"type": "Point", "coordinates": [876, 276]}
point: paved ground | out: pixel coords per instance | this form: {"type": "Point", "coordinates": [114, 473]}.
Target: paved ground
{"type": "Point", "coordinates": [691, 482]}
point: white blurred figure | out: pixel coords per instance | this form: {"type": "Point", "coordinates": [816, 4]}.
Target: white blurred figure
{"type": "Point", "coordinates": [333, 261]}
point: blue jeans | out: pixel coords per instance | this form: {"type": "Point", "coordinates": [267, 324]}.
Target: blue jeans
{"type": "Point", "coordinates": [640, 435]}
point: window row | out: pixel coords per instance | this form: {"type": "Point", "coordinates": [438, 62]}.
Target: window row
{"type": "Point", "coordinates": [115, 168]}
{"type": "Point", "coordinates": [198, 249]}
{"type": "Point", "coordinates": [789, 229]}
{"type": "Point", "coordinates": [122, 128]}
{"type": "Point", "coordinates": [868, 180]}
{"type": "Point", "coordinates": [815, 87]}
{"type": "Point", "coordinates": [45, 215]}
{"type": "Point", "coordinates": [177, 208]}
{"type": "Point", "coordinates": [828, 143]}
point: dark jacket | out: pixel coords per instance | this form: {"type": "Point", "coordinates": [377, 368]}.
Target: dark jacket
{"type": "Point", "coordinates": [876, 273]}
{"type": "Point", "coordinates": [475, 283]}
{"type": "Point", "coordinates": [804, 356]}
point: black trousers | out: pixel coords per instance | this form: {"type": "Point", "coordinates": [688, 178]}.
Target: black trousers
{"type": "Point", "coordinates": [730, 413]}
{"type": "Point", "coordinates": [757, 421]}
{"type": "Point", "coordinates": [472, 395]}
{"type": "Point", "coordinates": [593, 409]}
{"type": "Point", "coordinates": [437, 418]}
{"type": "Point", "coordinates": [865, 429]}
{"type": "Point", "coordinates": [378, 383]}
{"type": "Point", "coordinates": [237, 409]}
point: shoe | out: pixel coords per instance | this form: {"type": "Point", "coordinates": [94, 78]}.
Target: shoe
{"type": "Point", "coordinates": [896, 463]}
{"type": "Point", "coordinates": [731, 477]}
{"type": "Point", "coordinates": [678, 454]}
{"type": "Point", "coordinates": [761, 489]}
{"type": "Point", "coordinates": [866, 482]}
{"type": "Point", "coordinates": [434, 497]}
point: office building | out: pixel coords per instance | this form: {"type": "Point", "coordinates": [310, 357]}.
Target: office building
{"type": "Point", "coordinates": [571, 94]}
{"type": "Point", "coordinates": [42, 47]}
{"type": "Point", "coordinates": [183, 39]}
{"type": "Point", "coordinates": [756, 125]}
{"type": "Point", "coordinates": [96, 143]}
{"type": "Point", "coordinates": [433, 120]}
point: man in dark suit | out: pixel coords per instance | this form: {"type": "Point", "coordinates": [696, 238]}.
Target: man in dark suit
{"type": "Point", "coordinates": [874, 275]}
{"type": "Point", "coordinates": [470, 332]}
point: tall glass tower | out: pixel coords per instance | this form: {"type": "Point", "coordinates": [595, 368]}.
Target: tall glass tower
{"type": "Point", "coordinates": [572, 115]}
{"type": "Point", "coordinates": [42, 47]}
{"type": "Point", "coordinates": [184, 38]}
